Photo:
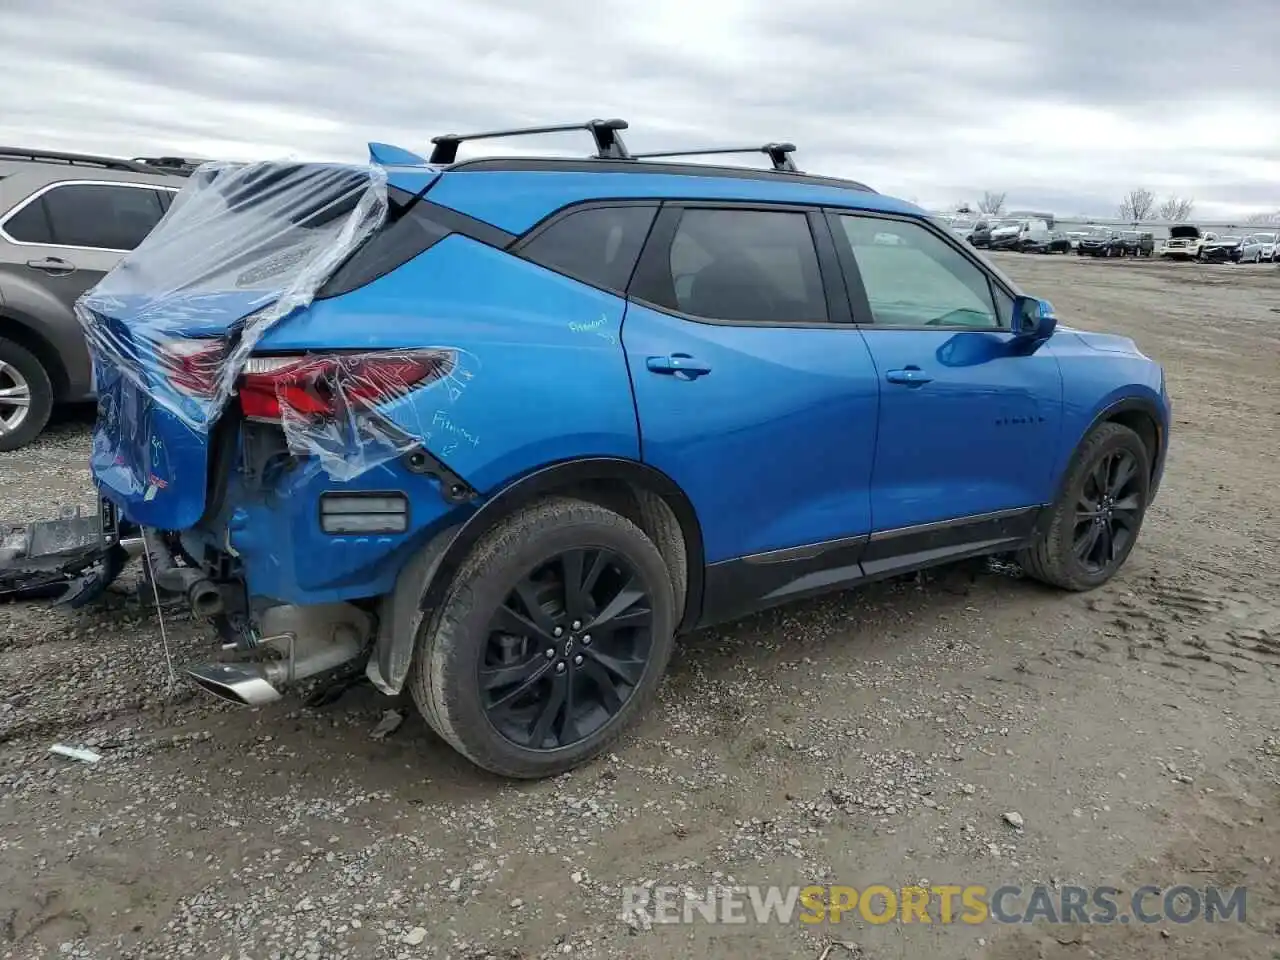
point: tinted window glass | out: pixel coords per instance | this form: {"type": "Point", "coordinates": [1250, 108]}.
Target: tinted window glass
{"type": "Point", "coordinates": [915, 278]}
{"type": "Point", "coordinates": [29, 225]}
{"type": "Point", "coordinates": [746, 265]}
{"type": "Point", "coordinates": [599, 245]}
{"type": "Point", "coordinates": [98, 215]}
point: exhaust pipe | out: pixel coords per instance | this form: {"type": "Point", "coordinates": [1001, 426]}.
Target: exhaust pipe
{"type": "Point", "coordinates": [319, 638]}
{"type": "Point", "coordinates": [203, 595]}
{"type": "Point", "coordinates": [235, 682]}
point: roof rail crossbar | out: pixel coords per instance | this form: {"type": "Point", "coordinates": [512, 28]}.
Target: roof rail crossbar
{"type": "Point", "coordinates": [111, 163]}
{"type": "Point", "coordinates": [779, 154]}
{"type": "Point", "coordinates": [609, 145]}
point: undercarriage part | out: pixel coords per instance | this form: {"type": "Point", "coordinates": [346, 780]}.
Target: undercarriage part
{"type": "Point", "coordinates": [203, 595]}
{"type": "Point", "coordinates": [305, 641]}
{"type": "Point", "coordinates": [71, 560]}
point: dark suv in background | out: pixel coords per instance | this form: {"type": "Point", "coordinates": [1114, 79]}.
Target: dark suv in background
{"type": "Point", "coordinates": [65, 220]}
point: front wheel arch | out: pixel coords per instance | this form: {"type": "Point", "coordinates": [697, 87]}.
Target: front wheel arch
{"type": "Point", "coordinates": [1138, 414]}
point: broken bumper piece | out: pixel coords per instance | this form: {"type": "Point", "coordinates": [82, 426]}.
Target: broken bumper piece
{"type": "Point", "coordinates": [72, 559]}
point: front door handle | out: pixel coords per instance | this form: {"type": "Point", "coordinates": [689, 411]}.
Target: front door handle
{"type": "Point", "coordinates": [680, 365]}
{"type": "Point", "coordinates": [912, 376]}
{"type": "Point", "coordinates": [55, 266]}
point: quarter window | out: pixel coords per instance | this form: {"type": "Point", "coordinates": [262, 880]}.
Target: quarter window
{"type": "Point", "coordinates": [599, 245]}
{"type": "Point", "coordinates": [745, 265]}
{"type": "Point", "coordinates": [96, 215]}
{"type": "Point", "coordinates": [915, 278]}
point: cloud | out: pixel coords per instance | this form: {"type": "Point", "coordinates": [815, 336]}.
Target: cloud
{"type": "Point", "coordinates": [1063, 106]}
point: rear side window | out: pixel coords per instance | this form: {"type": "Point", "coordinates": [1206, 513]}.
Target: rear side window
{"type": "Point", "coordinates": [98, 215]}
{"type": "Point", "coordinates": [598, 245]}
{"type": "Point", "coordinates": [746, 265]}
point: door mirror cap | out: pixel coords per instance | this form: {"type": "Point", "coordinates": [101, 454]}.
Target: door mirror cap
{"type": "Point", "coordinates": [1033, 319]}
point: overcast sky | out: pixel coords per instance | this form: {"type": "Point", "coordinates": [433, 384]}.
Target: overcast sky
{"type": "Point", "coordinates": [1063, 105]}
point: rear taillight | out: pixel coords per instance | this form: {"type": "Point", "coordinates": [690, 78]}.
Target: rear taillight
{"type": "Point", "coordinates": [323, 387]}
{"type": "Point", "coordinates": [192, 366]}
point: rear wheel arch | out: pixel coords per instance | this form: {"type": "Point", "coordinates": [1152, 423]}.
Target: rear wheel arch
{"type": "Point", "coordinates": [641, 493]}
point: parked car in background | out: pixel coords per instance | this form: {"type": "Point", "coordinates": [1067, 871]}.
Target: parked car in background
{"type": "Point", "coordinates": [65, 220]}
{"type": "Point", "coordinates": [1221, 250]}
{"type": "Point", "coordinates": [1024, 236]}
{"type": "Point", "coordinates": [1100, 242]}
{"type": "Point", "coordinates": [1059, 242]}
{"type": "Point", "coordinates": [1185, 242]}
{"type": "Point", "coordinates": [979, 235]}
{"type": "Point", "coordinates": [457, 470]}
{"type": "Point", "coordinates": [1258, 248]}
{"type": "Point", "coordinates": [1136, 243]}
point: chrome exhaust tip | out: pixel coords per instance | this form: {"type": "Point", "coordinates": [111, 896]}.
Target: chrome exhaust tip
{"type": "Point", "coordinates": [236, 683]}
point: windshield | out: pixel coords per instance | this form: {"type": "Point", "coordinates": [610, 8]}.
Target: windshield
{"type": "Point", "coordinates": [1265, 237]}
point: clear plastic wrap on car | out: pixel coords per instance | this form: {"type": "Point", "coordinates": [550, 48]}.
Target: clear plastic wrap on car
{"type": "Point", "coordinates": [350, 411]}
{"type": "Point", "coordinates": [242, 247]}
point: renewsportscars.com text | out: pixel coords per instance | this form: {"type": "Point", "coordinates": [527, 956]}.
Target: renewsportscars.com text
{"type": "Point", "coordinates": [943, 904]}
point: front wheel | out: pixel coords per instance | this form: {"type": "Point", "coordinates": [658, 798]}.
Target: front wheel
{"type": "Point", "coordinates": [552, 639]}
{"type": "Point", "coordinates": [1095, 522]}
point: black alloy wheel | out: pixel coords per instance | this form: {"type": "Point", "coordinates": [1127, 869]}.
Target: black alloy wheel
{"type": "Point", "coordinates": [1108, 511]}
{"type": "Point", "coordinates": [566, 649]}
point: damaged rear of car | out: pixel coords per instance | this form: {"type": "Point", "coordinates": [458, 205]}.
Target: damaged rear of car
{"type": "Point", "coordinates": [250, 469]}
{"type": "Point", "coordinates": [290, 399]}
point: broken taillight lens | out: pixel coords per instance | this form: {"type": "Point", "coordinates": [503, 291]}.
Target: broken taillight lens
{"type": "Point", "coordinates": [192, 366]}
{"type": "Point", "coordinates": [322, 387]}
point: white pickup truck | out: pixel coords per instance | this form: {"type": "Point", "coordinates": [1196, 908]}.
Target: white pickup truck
{"type": "Point", "coordinates": [1185, 242]}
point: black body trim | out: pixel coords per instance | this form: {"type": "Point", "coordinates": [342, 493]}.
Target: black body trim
{"type": "Point", "coordinates": [735, 588]}
{"type": "Point", "coordinates": [539, 164]}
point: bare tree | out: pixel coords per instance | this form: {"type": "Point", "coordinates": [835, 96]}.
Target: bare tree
{"type": "Point", "coordinates": [992, 204]}
{"type": "Point", "coordinates": [1266, 217]}
{"type": "Point", "coordinates": [1137, 205]}
{"type": "Point", "coordinates": [1177, 209]}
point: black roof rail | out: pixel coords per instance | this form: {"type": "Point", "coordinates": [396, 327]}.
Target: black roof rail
{"type": "Point", "coordinates": [778, 153]}
{"type": "Point", "coordinates": [181, 165]}
{"type": "Point", "coordinates": [58, 156]}
{"type": "Point", "coordinates": [609, 145]}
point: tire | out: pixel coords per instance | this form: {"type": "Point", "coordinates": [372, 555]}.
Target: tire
{"type": "Point", "coordinates": [1053, 557]}
{"type": "Point", "coordinates": [20, 370]}
{"type": "Point", "coordinates": [459, 641]}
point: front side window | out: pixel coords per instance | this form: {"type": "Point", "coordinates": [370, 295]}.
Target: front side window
{"type": "Point", "coordinates": [98, 215]}
{"type": "Point", "coordinates": [746, 265]}
{"type": "Point", "coordinates": [914, 278]}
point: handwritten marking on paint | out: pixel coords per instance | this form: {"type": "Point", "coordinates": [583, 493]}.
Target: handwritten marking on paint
{"type": "Point", "coordinates": [596, 327]}
{"type": "Point", "coordinates": [455, 434]}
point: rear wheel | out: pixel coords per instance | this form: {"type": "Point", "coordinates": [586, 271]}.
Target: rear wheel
{"type": "Point", "coordinates": [26, 396]}
{"type": "Point", "coordinates": [552, 639]}
{"type": "Point", "coordinates": [1095, 522]}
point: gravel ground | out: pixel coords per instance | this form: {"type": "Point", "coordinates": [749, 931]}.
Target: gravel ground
{"type": "Point", "coordinates": [882, 736]}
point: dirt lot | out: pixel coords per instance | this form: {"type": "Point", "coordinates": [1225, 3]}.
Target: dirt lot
{"type": "Point", "coordinates": [876, 737]}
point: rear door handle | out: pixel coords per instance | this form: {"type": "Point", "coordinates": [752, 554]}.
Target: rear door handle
{"type": "Point", "coordinates": [53, 265]}
{"type": "Point", "coordinates": [912, 376]}
{"type": "Point", "coordinates": [680, 365]}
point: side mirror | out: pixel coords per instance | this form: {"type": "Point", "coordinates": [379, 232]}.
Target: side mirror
{"type": "Point", "coordinates": [1033, 319]}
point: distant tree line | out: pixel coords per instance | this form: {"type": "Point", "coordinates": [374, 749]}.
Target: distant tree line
{"type": "Point", "coordinates": [1137, 206]}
